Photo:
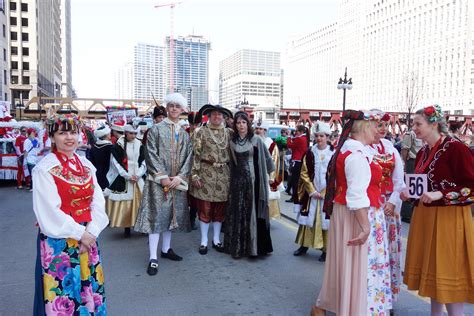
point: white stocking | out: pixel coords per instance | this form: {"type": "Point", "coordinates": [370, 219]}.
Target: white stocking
{"type": "Point", "coordinates": [166, 245]}
{"type": "Point", "coordinates": [204, 232]}
{"type": "Point", "coordinates": [217, 232]}
{"type": "Point", "coordinates": [153, 240]}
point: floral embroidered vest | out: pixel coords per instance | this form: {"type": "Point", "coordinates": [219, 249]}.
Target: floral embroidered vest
{"type": "Point", "coordinates": [387, 162]}
{"type": "Point", "coordinates": [76, 193]}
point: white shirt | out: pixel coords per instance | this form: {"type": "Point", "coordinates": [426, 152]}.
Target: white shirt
{"type": "Point", "coordinates": [33, 151]}
{"type": "Point", "coordinates": [52, 221]}
{"type": "Point", "coordinates": [358, 174]}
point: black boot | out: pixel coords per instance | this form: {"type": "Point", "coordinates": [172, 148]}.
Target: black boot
{"type": "Point", "coordinates": [127, 233]}
{"type": "Point", "coordinates": [300, 251]}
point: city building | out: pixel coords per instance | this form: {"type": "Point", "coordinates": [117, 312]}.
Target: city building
{"type": "Point", "coordinates": [4, 69]}
{"type": "Point", "coordinates": [124, 82]}
{"type": "Point", "coordinates": [149, 72]}
{"type": "Point", "coordinates": [37, 31]}
{"type": "Point", "coordinates": [251, 77]}
{"type": "Point", "coordinates": [400, 54]}
{"type": "Point", "coordinates": [190, 68]}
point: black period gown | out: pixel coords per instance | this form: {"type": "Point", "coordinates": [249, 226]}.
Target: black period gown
{"type": "Point", "coordinates": [247, 233]}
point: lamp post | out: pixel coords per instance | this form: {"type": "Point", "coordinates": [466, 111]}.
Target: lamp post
{"type": "Point", "coordinates": [344, 85]}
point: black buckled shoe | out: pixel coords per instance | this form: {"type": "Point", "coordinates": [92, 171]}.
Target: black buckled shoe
{"type": "Point", "coordinates": [171, 255]}
{"type": "Point", "coordinates": [219, 247]}
{"type": "Point", "coordinates": [322, 258]}
{"type": "Point", "coordinates": [152, 267]}
{"type": "Point", "coordinates": [203, 250]}
{"type": "Point", "coordinates": [300, 251]}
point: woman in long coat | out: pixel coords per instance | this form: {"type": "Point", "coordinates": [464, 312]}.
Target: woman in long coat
{"type": "Point", "coordinates": [247, 220]}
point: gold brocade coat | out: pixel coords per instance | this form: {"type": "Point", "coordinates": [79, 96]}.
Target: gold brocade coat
{"type": "Point", "coordinates": [211, 158]}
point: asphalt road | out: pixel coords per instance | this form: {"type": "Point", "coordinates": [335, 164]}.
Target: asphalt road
{"type": "Point", "coordinates": [214, 284]}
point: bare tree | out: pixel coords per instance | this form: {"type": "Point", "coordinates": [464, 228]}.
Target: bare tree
{"type": "Point", "coordinates": [412, 92]}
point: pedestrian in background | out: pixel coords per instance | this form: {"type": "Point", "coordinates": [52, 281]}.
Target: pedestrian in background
{"type": "Point", "coordinates": [299, 145]}
{"type": "Point", "coordinates": [20, 152]}
{"type": "Point", "coordinates": [70, 210]}
{"type": "Point", "coordinates": [313, 225]}
{"type": "Point", "coordinates": [410, 147]}
{"type": "Point", "coordinates": [440, 248]}
{"type": "Point", "coordinates": [125, 177]}
{"type": "Point", "coordinates": [100, 155]}
{"type": "Point", "coordinates": [32, 147]}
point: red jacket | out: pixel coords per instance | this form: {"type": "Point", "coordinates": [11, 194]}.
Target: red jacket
{"type": "Point", "coordinates": [298, 146]}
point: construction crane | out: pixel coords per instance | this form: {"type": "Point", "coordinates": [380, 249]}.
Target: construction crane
{"type": "Point", "coordinates": [171, 53]}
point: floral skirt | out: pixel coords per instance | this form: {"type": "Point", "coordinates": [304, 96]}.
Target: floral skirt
{"type": "Point", "coordinates": [68, 283]}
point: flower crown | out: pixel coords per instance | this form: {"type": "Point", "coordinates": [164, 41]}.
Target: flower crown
{"type": "Point", "coordinates": [433, 112]}
{"type": "Point", "coordinates": [362, 115]}
{"type": "Point", "coordinates": [56, 120]}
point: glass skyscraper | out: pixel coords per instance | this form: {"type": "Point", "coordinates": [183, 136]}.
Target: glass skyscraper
{"type": "Point", "coordinates": [190, 69]}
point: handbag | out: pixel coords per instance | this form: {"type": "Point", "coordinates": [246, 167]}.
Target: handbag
{"type": "Point", "coordinates": [273, 195]}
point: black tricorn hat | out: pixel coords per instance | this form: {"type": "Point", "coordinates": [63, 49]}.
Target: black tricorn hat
{"type": "Point", "coordinates": [208, 108]}
{"type": "Point", "coordinates": [159, 110]}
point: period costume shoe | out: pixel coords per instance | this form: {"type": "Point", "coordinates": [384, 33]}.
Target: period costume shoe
{"type": "Point", "coordinates": [289, 201]}
{"type": "Point", "coordinates": [203, 250]}
{"type": "Point", "coordinates": [171, 255]}
{"type": "Point", "coordinates": [152, 267]}
{"type": "Point", "coordinates": [219, 247]}
{"type": "Point", "coordinates": [300, 251]}
{"type": "Point", "coordinates": [322, 258]}
{"type": "Point", "coordinates": [127, 233]}
{"type": "Point", "coordinates": [19, 187]}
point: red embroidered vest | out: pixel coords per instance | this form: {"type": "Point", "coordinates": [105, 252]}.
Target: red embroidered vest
{"type": "Point", "coordinates": [373, 191]}
{"type": "Point", "coordinates": [76, 194]}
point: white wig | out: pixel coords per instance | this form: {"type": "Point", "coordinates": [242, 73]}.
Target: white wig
{"type": "Point", "coordinates": [176, 98]}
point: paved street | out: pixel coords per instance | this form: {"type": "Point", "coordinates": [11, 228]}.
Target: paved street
{"type": "Point", "coordinates": [215, 284]}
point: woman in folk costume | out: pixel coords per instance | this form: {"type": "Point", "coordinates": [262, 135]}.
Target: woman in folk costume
{"type": "Point", "coordinates": [70, 210]}
{"type": "Point", "coordinates": [276, 177]}
{"type": "Point", "coordinates": [440, 249]}
{"type": "Point", "coordinates": [357, 273]}
{"type": "Point", "coordinates": [164, 207]}
{"type": "Point", "coordinates": [127, 167]}
{"type": "Point", "coordinates": [312, 232]}
{"type": "Point", "coordinates": [393, 183]}
{"type": "Point", "coordinates": [247, 221]}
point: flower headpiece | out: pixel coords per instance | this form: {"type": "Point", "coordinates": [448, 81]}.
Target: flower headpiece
{"type": "Point", "coordinates": [433, 112]}
{"type": "Point", "coordinates": [362, 115]}
{"type": "Point", "coordinates": [68, 121]}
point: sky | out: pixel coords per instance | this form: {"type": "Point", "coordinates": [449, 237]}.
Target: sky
{"type": "Point", "coordinates": [104, 32]}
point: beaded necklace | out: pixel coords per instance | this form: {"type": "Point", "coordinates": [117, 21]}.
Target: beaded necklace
{"type": "Point", "coordinates": [222, 143]}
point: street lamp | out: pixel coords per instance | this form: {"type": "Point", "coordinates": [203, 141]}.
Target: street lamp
{"type": "Point", "coordinates": [344, 85]}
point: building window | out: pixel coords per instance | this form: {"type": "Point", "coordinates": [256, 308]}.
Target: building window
{"type": "Point", "coordinates": [26, 65]}
{"type": "Point", "coordinates": [5, 76]}
{"type": "Point", "coordinates": [4, 31]}
{"type": "Point", "coordinates": [14, 79]}
{"type": "Point", "coordinates": [24, 21]}
{"type": "Point", "coordinates": [4, 54]}
{"type": "Point", "coordinates": [15, 65]}
{"type": "Point", "coordinates": [13, 36]}
{"type": "Point", "coordinates": [12, 20]}
{"type": "Point", "coordinates": [24, 7]}
{"type": "Point", "coordinates": [26, 80]}
{"type": "Point", "coordinates": [24, 37]}
{"type": "Point", "coordinates": [14, 50]}
{"type": "Point", "coordinates": [12, 6]}
{"type": "Point", "coordinates": [25, 51]}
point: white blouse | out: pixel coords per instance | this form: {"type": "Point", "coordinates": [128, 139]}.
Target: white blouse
{"type": "Point", "coordinates": [52, 221]}
{"type": "Point", "coordinates": [358, 174]}
{"type": "Point", "coordinates": [398, 177]}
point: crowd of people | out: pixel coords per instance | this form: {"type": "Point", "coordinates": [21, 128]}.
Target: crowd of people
{"type": "Point", "coordinates": [224, 170]}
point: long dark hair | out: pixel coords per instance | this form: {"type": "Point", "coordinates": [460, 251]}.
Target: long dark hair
{"type": "Point", "coordinates": [244, 116]}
